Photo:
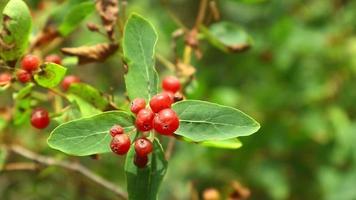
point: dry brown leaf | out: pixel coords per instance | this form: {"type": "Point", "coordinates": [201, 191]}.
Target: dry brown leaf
{"type": "Point", "coordinates": [88, 54]}
{"type": "Point", "coordinates": [48, 34]}
{"type": "Point", "coordinates": [108, 11]}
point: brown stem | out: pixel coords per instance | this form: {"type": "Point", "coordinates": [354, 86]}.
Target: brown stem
{"type": "Point", "coordinates": [73, 166]}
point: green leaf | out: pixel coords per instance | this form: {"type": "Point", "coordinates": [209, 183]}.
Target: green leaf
{"type": "Point", "coordinates": [139, 44]}
{"type": "Point", "coordinates": [50, 75]}
{"type": "Point", "coordinates": [223, 144]}
{"type": "Point", "coordinates": [75, 16]}
{"type": "Point", "coordinates": [86, 109]}
{"type": "Point", "coordinates": [89, 135]}
{"type": "Point", "coordinates": [227, 36]}
{"type": "Point", "coordinates": [144, 183]}
{"type": "Point", "coordinates": [16, 30]}
{"type": "Point", "coordinates": [204, 121]}
{"type": "Point", "coordinates": [89, 94]}
{"type": "Point", "coordinates": [24, 92]}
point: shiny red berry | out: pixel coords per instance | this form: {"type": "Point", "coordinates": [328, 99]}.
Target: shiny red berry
{"type": "Point", "coordinates": [143, 147]}
{"type": "Point", "coordinates": [144, 120]}
{"type": "Point", "coordinates": [120, 144]}
{"type": "Point", "coordinates": [116, 130]}
{"type": "Point", "coordinates": [54, 58]}
{"type": "Point", "coordinates": [137, 105]}
{"type": "Point", "coordinates": [5, 78]}
{"type": "Point", "coordinates": [23, 76]}
{"type": "Point", "coordinates": [166, 122]}
{"type": "Point", "coordinates": [68, 80]}
{"type": "Point", "coordinates": [171, 83]}
{"type": "Point", "coordinates": [40, 118]}
{"type": "Point", "coordinates": [30, 63]}
{"type": "Point", "coordinates": [160, 102]}
{"type": "Point", "coordinates": [140, 162]}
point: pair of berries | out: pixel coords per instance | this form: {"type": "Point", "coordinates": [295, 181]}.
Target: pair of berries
{"type": "Point", "coordinates": [40, 118]}
{"type": "Point", "coordinates": [121, 143]}
{"type": "Point", "coordinates": [160, 117]}
{"type": "Point", "coordinates": [30, 64]}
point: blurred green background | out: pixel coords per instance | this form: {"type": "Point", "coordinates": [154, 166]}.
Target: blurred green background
{"type": "Point", "coordinates": [298, 80]}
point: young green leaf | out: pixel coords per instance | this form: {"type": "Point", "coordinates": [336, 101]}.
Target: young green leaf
{"type": "Point", "coordinates": [144, 183]}
{"type": "Point", "coordinates": [204, 121]}
{"type": "Point", "coordinates": [227, 36]}
{"type": "Point", "coordinates": [16, 30]}
{"type": "Point", "coordinates": [139, 44]}
{"type": "Point", "coordinates": [75, 16]}
{"type": "Point", "coordinates": [50, 75]}
{"type": "Point", "coordinates": [89, 94]}
{"type": "Point", "coordinates": [89, 135]}
{"type": "Point", "coordinates": [86, 109]}
{"type": "Point", "coordinates": [24, 92]}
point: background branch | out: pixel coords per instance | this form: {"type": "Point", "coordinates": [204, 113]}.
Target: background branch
{"type": "Point", "coordinates": [49, 161]}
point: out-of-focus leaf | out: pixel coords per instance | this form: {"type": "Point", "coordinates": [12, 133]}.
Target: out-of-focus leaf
{"type": "Point", "coordinates": [25, 91]}
{"type": "Point", "coordinates": [86, 109]}
{"type": "Point", "coordinates": [144, 183]}
{"type": "Point", "coordinates": [3, 156]}
{"type": "Point", "coordinates": [224, 144]}
{"type": "Point", "coordinates": [227, 36]}
{"type": "Point", "coordinates": [139, 44]}
{"type": "Point", "coordinates": [89, 135]}
{"type": "Point", "coordinates": [89, 94]}
{"type": "Point", "coordinates": [51, 75]}
{"type": "Point", "coordinates": [204, 121]}
{"type": "Point", "coordinates": [75, 16]}
{"type": "Point", "coordinates": [15, 30]}
{"type": "Point", "coordinates": [88, 54]}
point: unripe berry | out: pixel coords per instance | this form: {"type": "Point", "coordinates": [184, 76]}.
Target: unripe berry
{"type": "Point", "coordinates": [40, 118]}
{"type": "Point", "coordinates": [140, 162]}
{"type": "Point", "coordinates": [143, 147]}
{"type": "Point", "coordinates": [120, 144]}
{"type": "Point", "coordinates": [171, 83]}
{"type": "Point", "coordinates": [160, 102]}
{"type": "Point", "coordinates": [54, 58]}
{"type": "Point", "coordinates": [68, 80]}
{"type": "Point", "coordinates": [5, 78]}
{"type": "Point", "coordinates": [23, 76]}
{"type": "Point", "coordinates": [116, 130]}
{"type": "Point", "coordinates": [30, 63]}
{"type": "Point", "coordinates": [137, 105]}
{"type": "Point", "coordinates": [144, 120]}
{"type": "Point", "coordinates": [166, 122]}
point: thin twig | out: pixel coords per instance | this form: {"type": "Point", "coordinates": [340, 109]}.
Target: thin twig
{"type": "Point", "coordinates": [20, 166]}
{"type": "Point", "coordinates": [201, 14]}
{"type": "Point", "coordinates": [170, 147]}
{"type": "Point", "coordinates": [49, 161]}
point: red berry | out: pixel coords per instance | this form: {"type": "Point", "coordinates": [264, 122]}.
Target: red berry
{"type": "Point", "coordinates": [23, 76]}
{"type": "Point", "coordinates": [166, 122]}
{"type": "Point", "coordinates": [143, 147]}
{"type": "Point", "coordinates": [144, 120]}
{"type": "Point", "coordinates": [140, 162]}
{"type": "Point", "coordinates": [171, 83]}
{"type": "Point", "coordinates": [68, 80]}
{"type": "Point", "coordinates": [5, 78]}
{"type": "Point", "coordinates": [137, 105]}
{"type": "Point", "coordinates": [120, 144]}
{"type": "Point", "coordinates": [170, 94]}
{"type": "Point", "coordinates": [160, 102]}
{"type": "Point", "coordinates": [30, 63]}
{"type": "Point", "coordinates": [54, 58]}
{"type": "Point", "coordinates": [116, 130]}
{"type": "Point", "coordinates": [40, 118]}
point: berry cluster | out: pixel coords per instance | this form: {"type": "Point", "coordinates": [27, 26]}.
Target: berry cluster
{"type": "Point", "coordinates": [158, 117]}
